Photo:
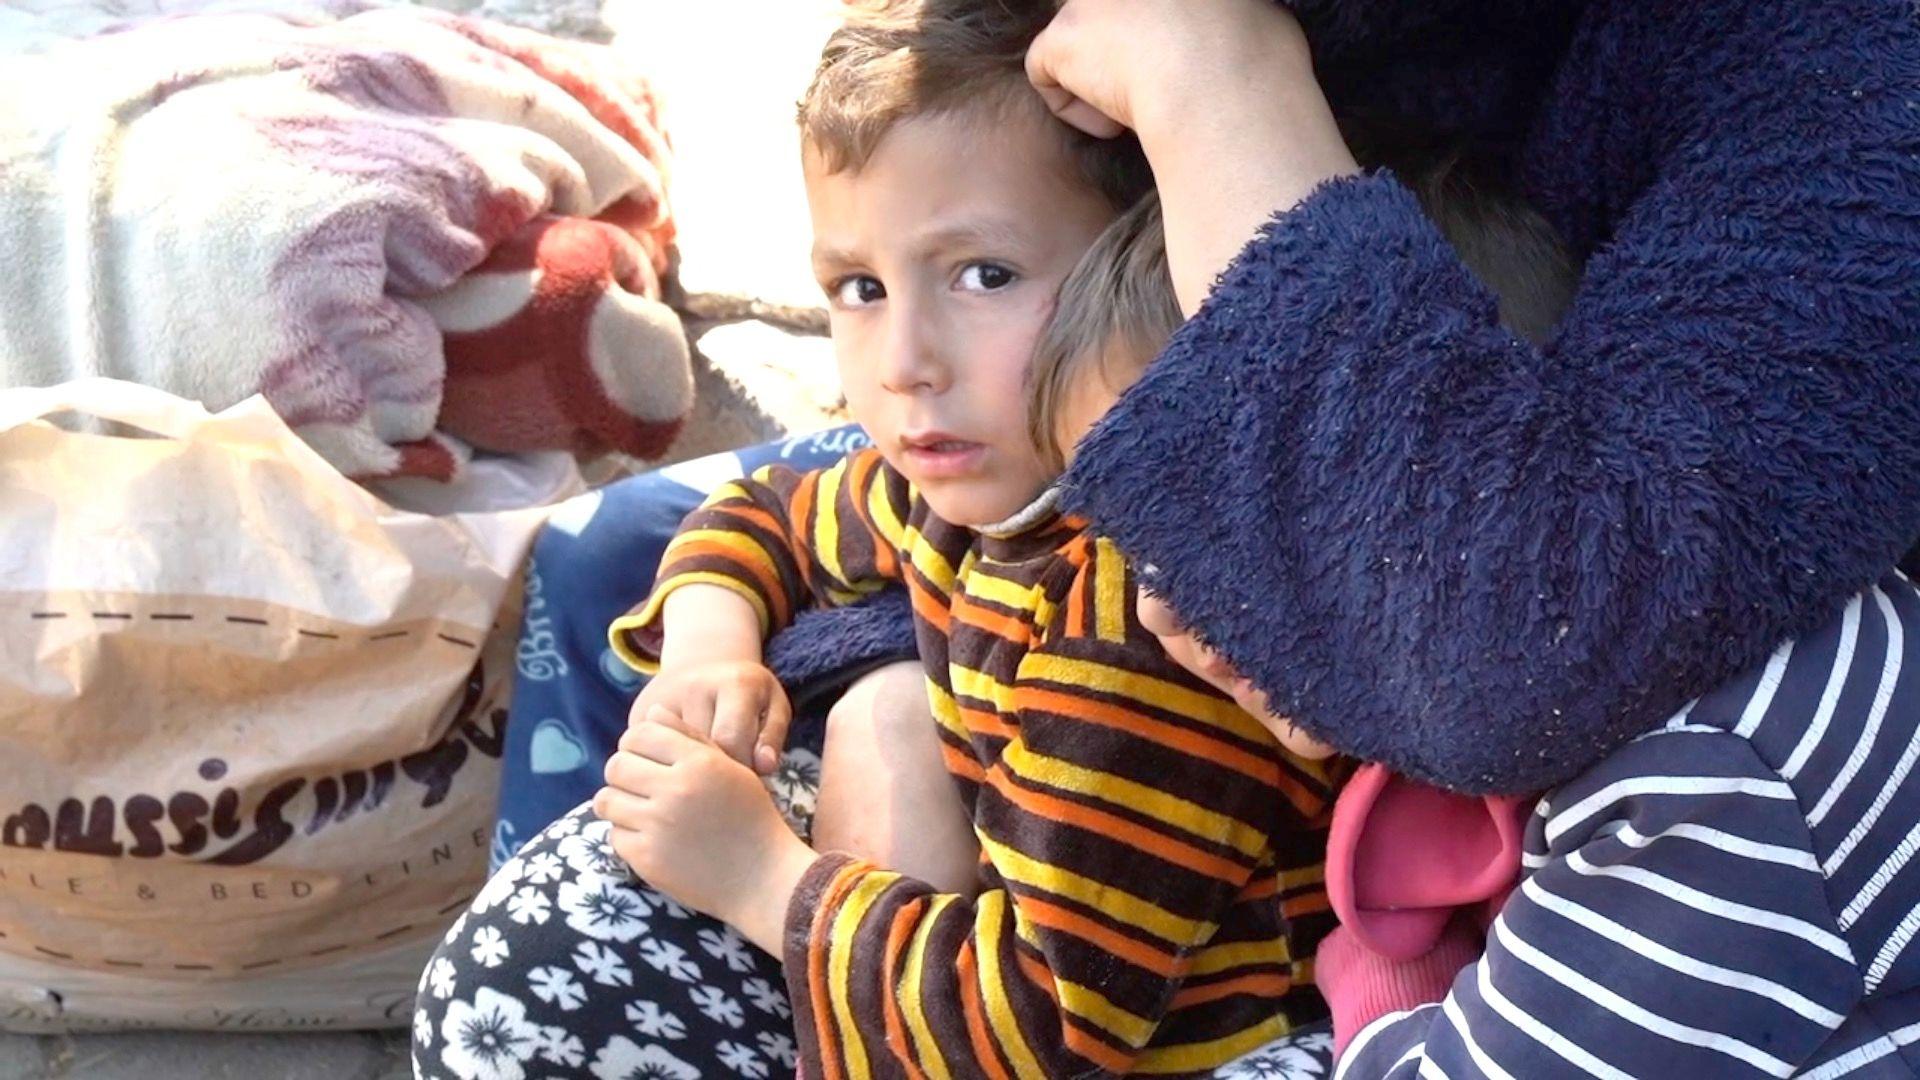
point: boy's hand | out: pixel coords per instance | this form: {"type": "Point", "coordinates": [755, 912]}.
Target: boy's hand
{"type": "Point", "coordinates": [737, 704]}
{"type": "Point", "coordinates": [701, 828]}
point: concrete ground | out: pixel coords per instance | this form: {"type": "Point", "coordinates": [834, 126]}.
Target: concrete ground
{"type": "Point", "coordinates": [199, 1056]}
{"type": "Point", "coordinates": [730, 72]}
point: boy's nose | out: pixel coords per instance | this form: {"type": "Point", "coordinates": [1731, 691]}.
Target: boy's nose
{"type": "Point", "coordinates": [913, 361]}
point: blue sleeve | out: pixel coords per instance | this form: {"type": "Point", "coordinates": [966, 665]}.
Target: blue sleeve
{"type": "Point", "coordinates": [1486, 563]}
{"type": "Point", "coordinates": [1677, 924]}
{"type": "Point", "coordinates": [827, 648]}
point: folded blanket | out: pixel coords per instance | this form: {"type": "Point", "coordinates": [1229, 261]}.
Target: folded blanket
{"type": "Point", "coordinates": [410, 231]}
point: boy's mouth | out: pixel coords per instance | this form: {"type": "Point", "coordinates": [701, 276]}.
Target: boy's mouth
{"type": "Point", "coordinates": [936, 455]}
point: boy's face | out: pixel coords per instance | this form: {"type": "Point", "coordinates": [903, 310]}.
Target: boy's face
{"type": "Point", "coordinates": [1187, 651]}
{"type": "Point", "coordinates": [941, 258]}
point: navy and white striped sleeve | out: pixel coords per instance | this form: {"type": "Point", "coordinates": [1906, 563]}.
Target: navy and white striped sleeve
{"type": "Point", "coordinates": [1674, 922]}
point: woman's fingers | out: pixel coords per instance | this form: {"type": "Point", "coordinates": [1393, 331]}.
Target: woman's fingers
{"type": "Point", "coordinates": [1058, 69]}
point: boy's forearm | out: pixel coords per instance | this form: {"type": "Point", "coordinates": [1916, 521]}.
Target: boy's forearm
{"type": "Point", "coordinates": [703, 623]}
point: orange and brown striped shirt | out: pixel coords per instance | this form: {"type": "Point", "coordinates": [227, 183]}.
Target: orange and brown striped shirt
{"type": "Point", "coordinates": [1151, 860]}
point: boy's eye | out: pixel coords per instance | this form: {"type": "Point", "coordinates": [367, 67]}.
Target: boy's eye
{"type": "Point", "coordinates": [985, 277]}
{"type": "Point", "coordinates": [857, 291]}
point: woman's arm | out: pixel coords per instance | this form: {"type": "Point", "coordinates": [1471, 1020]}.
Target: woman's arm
{"type": "Point", "coordinates": [1486, 564]}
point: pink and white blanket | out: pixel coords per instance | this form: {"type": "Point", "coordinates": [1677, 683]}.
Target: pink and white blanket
{"type": "Point", "coordinates": [414, 233]}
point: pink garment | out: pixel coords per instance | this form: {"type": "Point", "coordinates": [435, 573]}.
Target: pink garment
{"type": "Point", "coordinates": [1416, 874]}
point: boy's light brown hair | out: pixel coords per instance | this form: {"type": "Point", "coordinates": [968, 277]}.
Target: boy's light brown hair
{"type": "Point", "coordinates": [895, 60]}
{"type": "Point", "coordinates": [1117, 308]}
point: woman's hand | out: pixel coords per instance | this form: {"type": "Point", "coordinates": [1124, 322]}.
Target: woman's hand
{"type": "Point", "coordinates": [1223, 98]}
{"type": "Point", "coordinates": [1108, 65]}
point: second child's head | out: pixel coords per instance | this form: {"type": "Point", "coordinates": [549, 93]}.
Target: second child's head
{"type": "Point", "coordinates": [1117, 309]}
{"type": "Point", "coordinates": [948, 206]}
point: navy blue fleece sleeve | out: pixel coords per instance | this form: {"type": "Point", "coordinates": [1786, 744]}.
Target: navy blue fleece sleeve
{"type": "Point", "coordinates": [827, 648]}
{"type": "Point", "coordinates": [1485, 563]}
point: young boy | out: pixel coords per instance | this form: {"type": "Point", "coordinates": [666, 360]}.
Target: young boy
{"type": "Point", "coordinates": [1140, 835]}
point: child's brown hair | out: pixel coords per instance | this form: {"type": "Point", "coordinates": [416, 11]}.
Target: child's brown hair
{"type": "Point", "coordinates": [894, 60]}
{"type": "Point", "coordinates": [1117, 308]}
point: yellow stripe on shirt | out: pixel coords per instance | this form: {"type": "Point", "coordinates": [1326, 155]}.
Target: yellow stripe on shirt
{"type": "Point", "coordinates": [1121, 906]}
{"type": "Point", "coordinates": [1199, 705]}
{"type": "Point", "coordinates": [991, 918]}
{"type": "Point", "coordinates": [1092, 1006]}
{"type": "Point", "coordinates": [1110, 599]}
{"type": "Point", "coordinates": [1003, 591]}
{"type": "Point", "coordinates": [912, 1005]}
{"type": "Point", "coordinates": [1207, 1056]}
{"type": "Point", "coordinates": [981, 687]}
{"type": "Point", "coordinates": [826, 526]}
{"type": "Point", "coordinates": [1215, 959]}
{"type": "Point", "coordinates": [1171, 810]}
{"type": "Point", "coordinates": [846, 924]}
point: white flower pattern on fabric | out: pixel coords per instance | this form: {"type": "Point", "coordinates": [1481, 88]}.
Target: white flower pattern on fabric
{"type": "Point", "coordinates": [490, 948]}
{"type": "Point", "coordinates": [602, 964]}
{"type": "Point", "coordinates": [603, 909]}
{"type": "Point", "coordinates": [1304, 1056]}
{"type": "Point", "coordinates": [726, 945]}
{"type": "Point", "coordinates": [544, 868]}
{"type": "Point", "coordinates": [624, 1059]}
{"type": "Point", "coordinates": [590, 854]}
{"type": "Point", "coordinates": [442, 975]}
{"type": "Point", "coordinates": [741, 1059]}
{"type": "Point", "coordinates": [669, 959]}
{"type": "Point", "coordinates": [767, 997]}
{"type": "Point", "coordinates": [778, 1048]}
{"type": "Point", "coordinates": [554, 1018]}
{"type": "Point", "coordinates": [567, 825]}
{"type": "Point", "coordinates": [529, 905]}
{"type": "Point", "coordinates": [557, 1047]}
{"type": "Point", "coordinates": [795, 786]}
{"type": "Point", "coordinates": [489, 1038]}
{"type": "Point", "coordinates": [654, 1022]}
{"type": "Point", "coordinates": [718, 1006]}
{"type": "Point", "coordinates": [557, 986]}
{"type": "Point", "coordinates": [498, 887]}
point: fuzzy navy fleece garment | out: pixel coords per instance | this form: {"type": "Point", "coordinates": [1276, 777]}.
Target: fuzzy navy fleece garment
{"type": "Point", "coordinates": [827, 648]}
{"type": "Point", "coordinates": [1487, 564]}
